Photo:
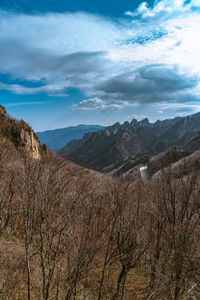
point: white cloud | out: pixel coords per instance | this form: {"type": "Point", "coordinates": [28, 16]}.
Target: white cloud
{"type": "Point", "coordinates": [61, 33]}
{"type": "Point", "coordinates": [83, 51]}
{"type": "Point", "coordinates": [164, 7]}
{"type": "Point", "coordinates": [51, 89]}
{"type": "Point", "coordinates": [180, 108]}
{"type": "Point", "coordinates": [25, 103]}
{"type": "Point", "coordinates": [169, 33]}
{"type": "Point", "coordinates": [100, 104]}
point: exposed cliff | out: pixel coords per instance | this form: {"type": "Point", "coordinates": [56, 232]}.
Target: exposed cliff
{"type": "Point", "coordinates": [20, 134]}
{"type": "Point", "coordinates": [31, 143]}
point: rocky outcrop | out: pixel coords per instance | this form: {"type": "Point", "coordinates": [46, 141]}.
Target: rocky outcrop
{"type": "Point", "coordinates": [20, 135]}
{"type": "Point", "coordinates": [30, 143]}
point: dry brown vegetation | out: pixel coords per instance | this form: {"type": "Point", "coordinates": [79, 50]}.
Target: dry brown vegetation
{"type": "Point", "coordinates": [67, 233]}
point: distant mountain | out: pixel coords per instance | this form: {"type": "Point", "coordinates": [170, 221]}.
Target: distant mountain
{"type": "Point", "coordinates": [58, 138]}
{"type": "Point", "coordinates": [118, 148]}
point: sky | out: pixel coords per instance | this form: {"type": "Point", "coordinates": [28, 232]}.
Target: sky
{"type": "Point", "coordinates": [72, 62]}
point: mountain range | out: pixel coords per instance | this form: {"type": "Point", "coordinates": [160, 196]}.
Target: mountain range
{"type": "Point", "coordinates": [58, 138]}
{"type": "Point", "coordinates": [61, 219]}
{"type": "Point", "coordinates": [119, 148]}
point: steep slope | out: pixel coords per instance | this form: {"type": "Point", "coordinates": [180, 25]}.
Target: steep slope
{"type": "Point", "coordinates": [59, 224]}
{"type": "Point", "coordinates": [123, 146]}
{"type": "Point", "coordinates": [194, 144]}
{"type": "Point", "coordinates": [20, 135]}
{"type": "Point", "coordinates": [182, 131]}
{"type": "Point", "coordinates": [113, 145]}
{"type": "Point", "coordinates": [165, 159]}
{"type": "Point", "coordinates": [177, 168]}
{"type": "Point", "coordinates": [58, 138]}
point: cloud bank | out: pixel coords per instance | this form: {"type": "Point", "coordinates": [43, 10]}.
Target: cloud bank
{"type": "Point", "coordinates": [148, 56]}
{"type": "Point", "coordinates": [151, 83]}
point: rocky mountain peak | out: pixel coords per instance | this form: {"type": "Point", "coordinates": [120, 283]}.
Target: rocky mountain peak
{"type": "Point", "coordinates": [145, 122]}
{"type": "Point", "coordinates": [131, 143]}
{"type": "Point", "coordinates": [126, 124]}
{"type": "Point", "coordinates": [134, 123]}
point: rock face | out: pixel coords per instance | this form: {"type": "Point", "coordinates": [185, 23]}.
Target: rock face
{"type": "Point", "coordinates": [130, 143]}
{"type": "Point", "coordinates": [20, 135]}
{"type": "Point", "coordinates": [31, 144]}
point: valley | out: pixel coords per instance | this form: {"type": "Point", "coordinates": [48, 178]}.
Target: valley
{"type": "Point", "coordinates": [68, 232]}
{"type": "Point", "coordinates": [121, 149]}
{"type": "Point", "coordinates": [99, 150]}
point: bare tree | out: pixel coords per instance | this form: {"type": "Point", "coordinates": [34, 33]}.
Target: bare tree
{"type": "Point", "coordinates": [174, 202]}
{"type": "Point", "coordinates": [132, 233]}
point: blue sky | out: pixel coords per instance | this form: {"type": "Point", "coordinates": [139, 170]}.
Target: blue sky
{"type": "Point", "coordinates": [108, 8]}
{"type": "Point", "coordinates": [70, 62]}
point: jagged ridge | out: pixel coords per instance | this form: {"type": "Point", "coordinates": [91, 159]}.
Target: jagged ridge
{"type": "Point", "coordinates": [109, 149]}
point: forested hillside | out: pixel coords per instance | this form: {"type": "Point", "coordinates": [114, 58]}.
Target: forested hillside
{"type": "Point", "coordinates": [69, 233]}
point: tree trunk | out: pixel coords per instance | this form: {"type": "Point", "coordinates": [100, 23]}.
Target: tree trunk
{"type": "Point", "coordinates": [120, 278]}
